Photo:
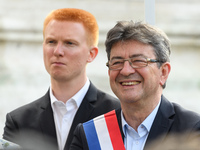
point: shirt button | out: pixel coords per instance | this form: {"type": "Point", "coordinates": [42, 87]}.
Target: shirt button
{"type": "Point", "coordinates": [137, 142]}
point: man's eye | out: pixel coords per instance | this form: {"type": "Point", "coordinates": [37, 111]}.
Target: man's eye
{"type": "Point", "coordinates": [69, 43]}
{"type": "Point", "coordinates": [137, 61]}
{"type": "Point", "coordinates": [117, 62]}
{"type": "Point", "coordinates": [50, 41]}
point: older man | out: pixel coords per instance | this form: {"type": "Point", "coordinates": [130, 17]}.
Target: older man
{"type": "Point", "coordinates": [138, 63]}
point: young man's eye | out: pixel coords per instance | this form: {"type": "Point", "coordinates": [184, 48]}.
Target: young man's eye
{"type": "Point", "coordinates": [69, 43]}
{"type": "Point", "coordinates": [50, 41]}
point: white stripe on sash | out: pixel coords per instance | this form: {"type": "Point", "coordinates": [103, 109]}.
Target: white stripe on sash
{"type": "Point", "coordinates": [102, 132]}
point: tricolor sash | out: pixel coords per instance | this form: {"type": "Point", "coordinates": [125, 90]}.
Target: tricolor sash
{"type": "Point", "coordinates": [103, 133]}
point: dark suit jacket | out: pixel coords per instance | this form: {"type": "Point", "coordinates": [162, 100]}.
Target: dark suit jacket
{"type": "Point", "coordinates": [35, 121]}
{"type": "Point", "coordinates": [171, 118]}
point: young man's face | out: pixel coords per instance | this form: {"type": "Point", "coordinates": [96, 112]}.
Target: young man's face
{"type": "Point", "coordinates": [65, 49]}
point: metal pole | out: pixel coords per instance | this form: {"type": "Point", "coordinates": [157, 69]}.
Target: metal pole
{"type": "Point", "coordinates": [150, 11]}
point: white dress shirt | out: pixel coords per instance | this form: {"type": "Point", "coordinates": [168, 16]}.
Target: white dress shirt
{"type": "Point", "coordinates": [64, 113]}
{"type": "Point", "coordinates": [134, 140]}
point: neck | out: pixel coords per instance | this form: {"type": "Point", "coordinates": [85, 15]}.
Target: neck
{"type": "Point", "coordinates": [136, 113]}
{"type": "Point", "coordinates": [63, 91]}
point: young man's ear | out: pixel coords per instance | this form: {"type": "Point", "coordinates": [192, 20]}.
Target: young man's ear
{"type": "Point", "coordinates": [92, 54]}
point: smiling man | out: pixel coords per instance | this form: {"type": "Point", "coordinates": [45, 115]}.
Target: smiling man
{"type": "Point", "coordinates": [138, 63]}
{"type": "Point", "coordinates": [70, 43]}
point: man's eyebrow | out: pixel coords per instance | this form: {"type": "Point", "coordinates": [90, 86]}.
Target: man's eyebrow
{"type": "Point", "coordinates": [116, 57]}
{"type": "Point", "coordinates": [137, 55]}
{"type": "Point", "coordinates": [132, 56]}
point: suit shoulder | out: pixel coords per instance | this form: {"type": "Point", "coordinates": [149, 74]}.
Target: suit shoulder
{"type": "Point", "coordinates": [181, 110]}
{"type": "Point", "coordinates": [28, 108]}
{"type": "Point", "coordinates": [107, 98]}
{"type": "Point", "coordinates": [94, 93]}
{"type": "Point", "coordinates": [100, 102]}
{"type": "Point", "coordinates": [185, 114]}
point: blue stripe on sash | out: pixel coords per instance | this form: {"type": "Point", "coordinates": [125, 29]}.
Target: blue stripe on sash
{"type": "Point", "coordinates": [91, 135]}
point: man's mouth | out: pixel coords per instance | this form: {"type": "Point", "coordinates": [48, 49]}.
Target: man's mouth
{"type": "Point", "coordinates": [130, 83]}
{"type": "Point", "coordinates": [58, 63]}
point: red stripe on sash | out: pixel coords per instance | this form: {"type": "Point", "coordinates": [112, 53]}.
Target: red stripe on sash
{"type": "Point", "coordinates": [114, 131]}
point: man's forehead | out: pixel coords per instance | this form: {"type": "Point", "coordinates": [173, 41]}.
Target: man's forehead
{"type": "Point", "coordinates": [131, 49]}
{"type": "Point", "coordinates": [139, 56]}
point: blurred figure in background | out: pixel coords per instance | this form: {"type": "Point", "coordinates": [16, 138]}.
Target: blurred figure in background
{"type": "Point", "coordinates": [176, 142]}
{"type": "Point", "coordinates": [4, 144]}
{"type": "Point", "coordinates": [70, 43]}
{"type": "Point", "coordinates": [139, 65]}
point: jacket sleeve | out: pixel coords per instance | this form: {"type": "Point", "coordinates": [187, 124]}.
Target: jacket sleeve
{"type": "Point", "coordinates": [79, 141]}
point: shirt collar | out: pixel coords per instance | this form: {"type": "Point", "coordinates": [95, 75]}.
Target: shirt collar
{"type": "Point", "coordinates": [147, 123]}
{"type": "Point", "coordinates": [78, 97]}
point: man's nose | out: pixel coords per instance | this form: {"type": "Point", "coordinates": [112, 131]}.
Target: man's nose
{"type": "Point", "coordinates": [58, 51]}
{"type": "Point", "coordinates": [127, 69]}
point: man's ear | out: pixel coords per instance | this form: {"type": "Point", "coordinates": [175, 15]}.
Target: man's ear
{"type": "Point", "coordinates": [92, 54]}
{"type": "Point", "coordinates": [165, 70]}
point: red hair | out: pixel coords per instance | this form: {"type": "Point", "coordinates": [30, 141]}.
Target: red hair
{"type": "Point", "coordinates": [76, 15]}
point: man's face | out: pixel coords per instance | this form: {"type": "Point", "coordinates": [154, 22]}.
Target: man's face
{"type": "Point", "coordinates": [65, 50]}
{"type": "Point", "coordinates": [135, 85]}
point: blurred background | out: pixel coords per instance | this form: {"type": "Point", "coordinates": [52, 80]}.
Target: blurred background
{"type": "Point", "coordinates": [23, 77]}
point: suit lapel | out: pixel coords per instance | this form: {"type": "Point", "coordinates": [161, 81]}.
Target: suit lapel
{"type": "Point", "coordinates": [162, 122]}
{"type": "Point", "coordinates": [46, 120]}
{"type": "Point", "coordinates": [118, 113]}
{"type": "Point", "coordinates": [84, 112]}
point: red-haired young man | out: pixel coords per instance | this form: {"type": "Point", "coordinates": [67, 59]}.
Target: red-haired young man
{"type": "Point", "coordinates": [70, 43]}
